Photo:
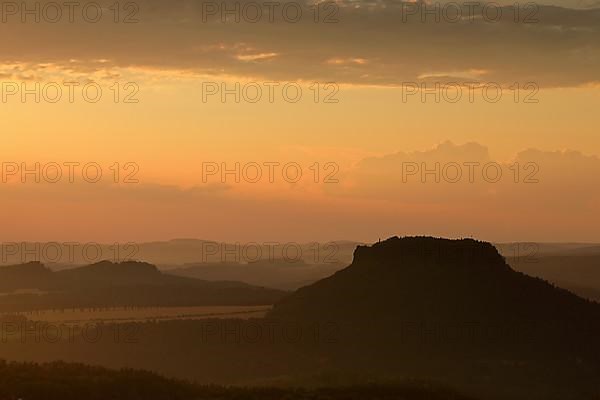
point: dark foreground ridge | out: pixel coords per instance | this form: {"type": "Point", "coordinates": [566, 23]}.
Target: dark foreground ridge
{"type": "Point", "coordinates": [62, 381]}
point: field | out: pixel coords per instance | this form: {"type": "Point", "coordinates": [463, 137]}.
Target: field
{"type": "Point", "coordinates": [140, 314]}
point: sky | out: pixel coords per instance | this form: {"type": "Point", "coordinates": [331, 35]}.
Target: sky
{"type": "Point", "coordinates": [354, 120]}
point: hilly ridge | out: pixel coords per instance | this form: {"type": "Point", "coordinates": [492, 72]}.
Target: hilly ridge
{"type": "Point", "coordinates": [33, 286]}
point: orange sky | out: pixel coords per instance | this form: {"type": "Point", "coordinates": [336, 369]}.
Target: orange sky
{"type": "Point", "coordinates": [361, 134]}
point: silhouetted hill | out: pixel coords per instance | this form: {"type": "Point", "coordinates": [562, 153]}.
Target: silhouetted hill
{"type": "Point", "coordinates": [33, 275]}
{"type": "Point", "coordinates": [106, 273]}
{"type": "Point", "coordinates": [107, 284]}
{"type": "Point", "coordinates": [450, 308]}
{"type": "Point", "coordinates": [419, 277]}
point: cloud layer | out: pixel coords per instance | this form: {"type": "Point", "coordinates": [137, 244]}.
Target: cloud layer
{"type": "Point", "coordinates": [372, 43]}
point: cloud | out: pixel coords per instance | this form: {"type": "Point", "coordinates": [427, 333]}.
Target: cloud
{"type": "Point", "coordinates": [540, 195]}
{"type": "Point", "coordinates": [454, 177]}
{"type": "Point", "coordinates": [373, 43]}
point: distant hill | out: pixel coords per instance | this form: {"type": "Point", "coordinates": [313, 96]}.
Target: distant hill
{"type": "Point", "coordinates": [32, 286]}
{"type": "Point", "coordinates": [33, 275]}
{"type": "Point", "coordinates": [579, 273]}
{"type": "Point", "coordinates": [531, 250]}
{"type": "Point", "coordinates": [277, 273]}
{"type": "Point", "coordinates": [573, 266]}
{"type": "Point", "coordinates": [587, 250]}
{"type": "Point", "coordinates": [177, 252]}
